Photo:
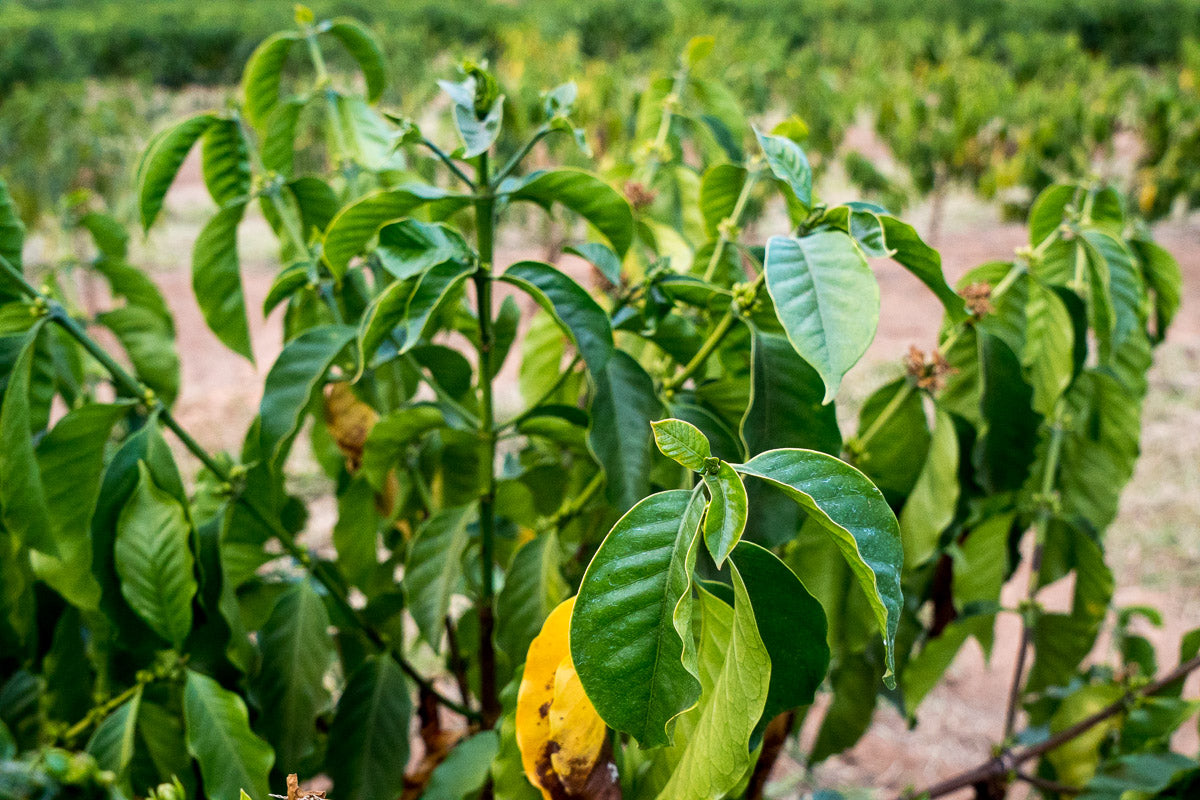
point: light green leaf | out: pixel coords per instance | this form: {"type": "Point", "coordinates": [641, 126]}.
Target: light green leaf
{"type": "Point", "coordinates": [1164, 278]}
{"type": "Point", "coordinates": [719, 191]}
{"type": "Point", "coordinates": [262, 75]}
{"type": "Point", "coordinates": [533, 587]}
{"type": "Point", "coordinates": [293, 381]}
{"type": "Point", "coordinates": [161, 161]}
{"type": "Point", "coordinates": [22, 496]}
{"type": "Point", "coordinates": [279, 139]}
{"type": "Point", "coordinates": [154, 560]}
{"type": "Point", "coordinates": [930, 506]}
{"type": "Point", "coordinates": [622, 407]}
{"type": "Point", "coordinates": [225, 162]}
{"type": "Point", "coordinates": [358, 223]}
{"type": "Point", "coordinates": [1049, 211]}
{"type": "Point", "coordinates": [586, 195]}
{"type": "Point", "coordinates": [727, 512]}
{"type": "Point", "coordinates": [362, 45]}
{"type": "Point", "coordinates": [465, 770]}
{"type": "Point", "coordinates": [682, 442]}
{"type": "Point", "coordinates": [150, 344]}
{"type": "Point", "coordinates": [218, 734]}
{"type": "Point", "coordinates": [852, 510]}
{"type": "Point", "coordinates": [571, 305]}
{"type": "Point", "coordinates": [113, 741]}
{"type": "Point", "coordinates": [404, 308]}
{"type": "Point", "coordinates": [217, 280]}
{"type": "Point", "coordinates": [827, 299]}
{"type": "Point", "coordinates": [433, 569]}
{"type": "Point", "coordinates": [624, 641]}
{"type": "Point", "coordinates": [1049, 355]}
{"type": "Point", "coordinates": [296, 653]}
{"type": "Point", "coordinates": [368, 741]}
{"type": "Point", "coordinates": [787, 160]}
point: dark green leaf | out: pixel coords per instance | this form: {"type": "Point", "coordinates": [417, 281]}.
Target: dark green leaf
{"type": "Point", "coordinates": [392, 434]}
{"type": "Point", "coordinates": [410, 247]}
{"type": "Point", "coordinates": [465, 770]}
{"type": "Point", "coordinates": [623, 405]}
{"type": "Point", "coordinates": [368, 741]}
{"type": "Point", "coordinates": [533, 587]}
{"type": "Point", "coordinates": [217, 280]}
{"type": "Point", "coordinates": [719, 191]}
{"type": "Point", "coordinates": [150, 345]}
{"type": "Point", "coordinates": [225, 162]}
{"type": "Point", "coordinates": [433, 570]}
{"type": "Point", "coordinates": [404, 308]}
{"type": "Point", "coordinates": [571, 306]}
{"type": "Point", "coordinates": [22, 496]}
{"type": "Point", "coordinates": [161, 161]}
{"type": "Point", "coordinates": [113, 741]}
{"type": "Point", "coordinates": [586, 195]}
{"type": "Point", "coordinates": [231, 757]}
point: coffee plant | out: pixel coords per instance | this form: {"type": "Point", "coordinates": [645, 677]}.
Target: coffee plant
{"type": "Point", "coordinates": [631, 580]}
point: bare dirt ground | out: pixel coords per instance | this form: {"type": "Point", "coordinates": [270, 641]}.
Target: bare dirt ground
{"type": "Point", "coordinates": [1154, 545]}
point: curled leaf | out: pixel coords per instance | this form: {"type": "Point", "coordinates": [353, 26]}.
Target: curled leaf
{"type": "Point", "coordinates": [350, 421]}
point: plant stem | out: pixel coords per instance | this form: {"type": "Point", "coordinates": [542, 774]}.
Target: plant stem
{"type": "Point", "coordinates": [485, 220]}
{"type": "Point", "coordinates": [542, 132]}
{"type": "Point", "coordinates": [104, 709]}
{"type": "Point", "coordinates": [546, 395]}
{"type": "Point", "coordinates": [445, 159]}
{"type": "Point", "coordinates": [317, 568]}
{"type": "Point", "coordinates": [724, 325]}
{"type": "Point", "coordinates": [1008, 761]}
{"type": "Point", "coordinates": [891, 408]}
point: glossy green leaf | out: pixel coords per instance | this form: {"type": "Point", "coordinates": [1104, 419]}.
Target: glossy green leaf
{"type": "Point", "coordinates": [368, 741]}
{"type": "Point", "coordinates": [404, 308]}
{"type": "Point", "coordinates": [154, 560]}
{"type": "Point", "coordinates": [410, 247]}
{"type": "Point", "coordinates": [297, 650]}
{"type": "Point", "coordinates": [623, 405]}
{"type": "Point", "coordinates": [930, 506]}
{"type": "Point", "coordinates": [293, 381]}
{"type": "Point", "coordinates": [571, 306]}
{"type": "Point", "coordinates": [217, 280]}
{"type": "Point", "coordinates": [358, 223]}
{"type": "Point", "coordinates": [262, 75]}
{"type": "Point", "coordinates": [365, 49]}
{"type": "Point", "coordinates": [792, 625]}
{"type": "Point", "coordinates": [433, 570]}
{"type": "Point", "coordinates": [907, 249]}
{"type": "Point", "coordinates": [225, 162]}
{"type": "Point", "coordinates": [787, 160]}
{"type": "Point", "coordinates": [827, 299]}
{"type": "Point", "coordinates": [1124, 284]}
{"type": "Point", "coordinates": [727, 511]}
{"type": "Point", "coordinates": [161, 161]}
{"type": "Point", "coordinates": [218, 733]}
{"type": "Point", "coordinates": [22, 496]}
{"type": "Point", "coordinates": [717, 754]}
{"type": "Point", "coordinates": [465, 770]}
{"type": "Point", "coordinates": [1049, 354]}
{"type": "Point", "coordinates": [682, 442]}
{"type": "Point", "coordinates": [624, 641]}
{"type": "Point", "coordinates": [150, 345]}
{"type": "Point", "coordinates": [852, 510]}
{"type": "Point", "coordinates": [533, 587]}
{"type": "Point", "coordinates": [599, 256]}
{"type": "Point", "coordinates": [586, 195]}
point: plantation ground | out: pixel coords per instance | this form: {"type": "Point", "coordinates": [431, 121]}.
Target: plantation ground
{"type": "Point", "coordinates": [1155, 542]}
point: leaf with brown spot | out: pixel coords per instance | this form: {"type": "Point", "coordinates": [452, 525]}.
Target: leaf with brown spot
{"type": "Point", "coordinates": [350, 421]}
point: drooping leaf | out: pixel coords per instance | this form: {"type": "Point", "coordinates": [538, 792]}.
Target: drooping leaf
{"type": "Point", "coordinates": [225, 162]}
{"type": "Point", "coordinates": [154, 560]}
{"type": "Point", "coordinates": [113, 741]}
{"type": "Point", "coordinates": [1005, 449]}
{"type": "Point", "coordinates": [586, 195]}
{"type": "Point", "coordinates": [571, 306]}
{"type": "Point", "coordinates": [296, 652]}
{"type": "Point", "coordinates": [1164, 278]}
{"type": "Point", "coordinates": [433, 569]}
{"type": "Point", "coordinates": [410, 247]}
{"type": "Point", "coordinates": [787, 160]}
{"type": "Point", "coordinates": [161, 161]}
{"type": "Point", "coordinates": [624, 640]}
{"type": "Point", "coordinates": [1049, 347]}
{"type": "Point", "coordinates": [262, 75]}
{"type": "Point", "coordinates": [599, 256]}
{"type": "Point", "coordinates": [218, 733]}
{"type": "Point", "coordinates": [292, 383]}
{"type": "Point", "coordinates": [826, 298]}
{"type": "Point", "coordinates": [217, 280]}
{"type": "Point", "coordinates": [150, 345]}
{"type": "Point", "coordinates": [368, 741]}
{"type": "Point", "coordinates": [907, 249]}
{"type": "Point", "coordinates": [364, 48]}
{"type": "Point", "coordinates": [855, 683]}
{"type": "Point", "coordinates": [623, 405]}
{"type": "Point", "coordinates": [279, 138]}
{"type": "Point", "coordinates": [852, 510]}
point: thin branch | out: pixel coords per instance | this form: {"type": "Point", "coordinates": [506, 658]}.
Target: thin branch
{"type": "Point", "coordinates": [445, 159]}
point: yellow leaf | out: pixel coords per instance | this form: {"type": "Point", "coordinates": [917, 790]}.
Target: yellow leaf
{"type": "Point", "coordinates": [561, 737]}
{"type": "Point", "coordinates": [350, 420]}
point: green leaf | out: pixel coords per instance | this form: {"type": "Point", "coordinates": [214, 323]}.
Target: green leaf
{"type": "Point", "coordinates": [533, 587]}
{"type": "Point", "coordinates": [682, 442]}
{"type": "Point", "coordinates": [785, 408]}
{"type": "Point", "coordinates": [1005, 450]}
{"type": "Point", "coordinates": [930, 506]}
{"type": "Point", "coordinates": [22, 496]}
{"type": "Point", "coordinates": [263, 74]}
{"type": "Point", "coordinates": [225, 162]}
{"type": "Point", "coordinates": [404, 308]}
{"type": "Point", "coordinates": [161, 735]}
{"type": "Point", "coordinates": [433, 570]}
{"type": "Point", "coordinates": [161, 162]}
{"type": "Point", "coordinates": [279, 139]}
{"type": "Point", "coordinates": [465, 770]}
{"type": "Point", "coordinates": [294, 379]}
{"type": "Point", "coordinates": [296, 653]}
{"type": "Point", "coordinates": [12, 231]}
{"type": "Point", "coordinates": [599, 256]}
{"type": "Point", "coordinates": [1049, 210]}
{"type": "Point", "coordinates": [787, 160]}
{"type": "Point", "coordinates": [368, 741]}
{"type": "Point", "coordinates": [365, 49]}
{"type": "Point", "coordinates": [113, 741]}
{"type": "Point", "coordinates": [391, 436]}
{"type": "Point", "coordinates": [854, 683]}
{"type": "Point", "coordinates": [218, 734]}
{"type": "Point", "coordinates": [217, 280]}
{"type": "Point", "coordinates": [110, 236]}
{"type": "Point", "coordinates": [1164, 278]}
{"type": "Point", "coordinates": [586, 195]}
{"type": "Point", "coordinates": [623, 405]}
{"type": "Point", "coordinates": [355, 225]}
{"type": "Point", "coordinates": [907, 249]}
{"type": "Point", "coordinates": [570, 305]}
{"type": "Point", "coordinates": [717, 754]}
{"type": "Point", "coordinates": [1049, 354]}
{"type": "Point", "coordinates": [71, 459]}
{"type": "Point", "coordinates": [827, 299]}
{"type": "Point", "coordinates": [478, 127]}
{"type": "Point", "coordinates": [852, 510]}
{"type": "Point", "coordinates": [726, 517]}
{"type": "Point", "coordinates": [793, 629]}
{"type": "Point", "coordinates": [924, 671]}
{"type": "Point", "coordinates": [624, 641]}
{"type": "Point", "coordinates": [410, 247]}
{"type": "Point", "coordinates": [1137, 775]}
{"type": "Point", "coordinates": [136, 287]}
{"type": "Point", "coordinates": [894, 452]}
{"type": "Point", "coordinates": [151, 347]}
{"type": "Point", "coordinates": [154, 560]}
{"type": "Point", "coordinates": [719, 191]}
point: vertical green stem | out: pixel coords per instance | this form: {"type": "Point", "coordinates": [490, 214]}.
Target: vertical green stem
{"type": "Point", "coordinates": [734, 220]}
{"type": "Point", "coordinates": [485, 220]}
